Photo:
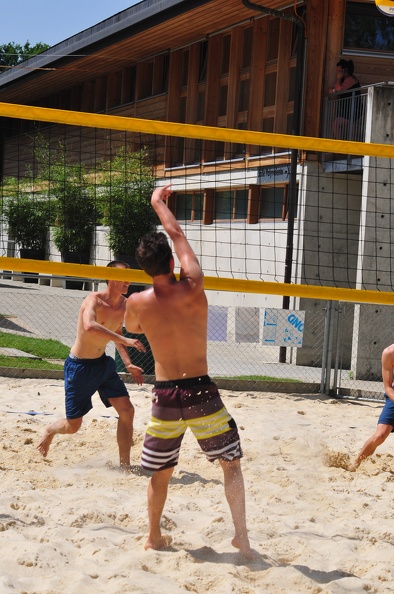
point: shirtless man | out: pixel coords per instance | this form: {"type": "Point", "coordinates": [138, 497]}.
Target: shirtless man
{"type": "Point", "coordinates": [88, 369]}
{"type": "Point", "coordinates": [173, 316]}
{"type": "Point", "coordinates": [386, 419]}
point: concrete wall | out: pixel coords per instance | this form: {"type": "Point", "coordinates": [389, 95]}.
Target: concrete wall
{"type": "Point", "coordinates": [330, 204]}
{"type": "Point", "coordinates": [348, 221]}
{"type": "Point", "coordinates": [373, 326]}
{"type": "Point", "coordinates": [331, 222]}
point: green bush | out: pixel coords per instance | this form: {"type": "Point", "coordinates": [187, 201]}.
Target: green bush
{"type": "Point", "coordinates": [27, 214]}
{"type": "Point", "coordinates": [127, 185]}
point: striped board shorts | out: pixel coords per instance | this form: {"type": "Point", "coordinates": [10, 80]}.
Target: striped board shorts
{"type": "Point", "coordinates": [195, 403]}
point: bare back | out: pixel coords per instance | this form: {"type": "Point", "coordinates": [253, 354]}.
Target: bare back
{"type": "Point", "coordinates": [173, 316]}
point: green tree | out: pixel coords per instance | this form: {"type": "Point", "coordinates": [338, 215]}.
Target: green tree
{"type": "Point", "coordinates": [13, 53]}
{"type": "Point", "coordinates": [73, 198]}
{"type": "Point", "coordinates": [74, 210]}
{"type": "Point", "coordinates": [127, 182]}
{"type": "Point", "coordinates": [27, 213]}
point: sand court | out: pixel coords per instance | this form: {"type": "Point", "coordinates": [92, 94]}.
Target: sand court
{"type": "Point", "coordinates": [73, 523]}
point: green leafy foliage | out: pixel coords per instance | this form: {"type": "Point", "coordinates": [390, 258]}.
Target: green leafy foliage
{"type": "Point", "coordinates": [75, 212]}
{"type": "Point", "coordinates": [58, 192]}
{"type": "Point", "coordinates": [127, 185]}
{"type": "Point", "coordinates": [27, 213]}
{"type": "Point", "coordinates": [12, 53]}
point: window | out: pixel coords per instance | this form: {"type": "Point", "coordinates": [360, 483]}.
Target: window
{"type": "Point", "coordinates": [202, 66]}
{"type": "Point", "coordinates": [225, 55]}
{"type": "Point", "coordinates": [231, 205]}
{"type": "Point", "coordinates": [268, 125]}
{"type": "Point", "coordinates": [152, 77]}
{"type": "Point", "coordinates": [279, 77]}
{"type": "Point", "coordinates": [189, 207]}
{"type": "Point", "coordinates": [247, 47]}
{"type": "Point", "coordinates": [270, 89]}
{"type": "Point", "coordinates": [223, 93]}
{"type": "Point", "coordinates": [243, 99]}
{"type": "Point", "coordinates": [273, 39]}
{"type": "Point", "coordinates": [100, 94]}
{"type": "Point", "coordinates": [129, 84]}
{"type": "Point", "coordinates": [200, 106]}
{"type": "Point", "coordinates": [114, 89]}
{"type": "Point", "coordinates": [273, 202]}
{"type": "Point", "coordinates": [237, 149]}
{"type": "Point", "coordinates": [145, 79]}
{"type": "Point", "coordinates": [160, 74]}
{"type": "Point", "coordinates": [185, 68]}
{"type": "Point", "coordinates": [368, 29]}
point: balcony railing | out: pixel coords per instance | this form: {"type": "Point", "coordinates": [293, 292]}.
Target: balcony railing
{"type": "Point", "coordinates": [345, 115]}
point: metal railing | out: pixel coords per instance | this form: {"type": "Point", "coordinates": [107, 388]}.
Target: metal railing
{"type": "Point", "coordinates": [345, 115]}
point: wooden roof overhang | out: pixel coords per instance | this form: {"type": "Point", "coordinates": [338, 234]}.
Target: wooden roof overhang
{"type": "Point", "coordinates": [137, 33]}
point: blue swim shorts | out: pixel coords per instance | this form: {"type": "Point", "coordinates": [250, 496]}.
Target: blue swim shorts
{"type": "Point", "coordinates": [84, 377]}
{"type": "Point", "coordinates": [194, 403]}
{"type": "Point", "coordinates": [387, 414]}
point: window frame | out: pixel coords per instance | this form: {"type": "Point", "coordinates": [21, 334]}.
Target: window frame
{"type": "Point", "coordinates": [196, 195]}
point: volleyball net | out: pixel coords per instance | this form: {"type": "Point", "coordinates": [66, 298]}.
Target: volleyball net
{"type": "Point", "coordinates": [282, 225]}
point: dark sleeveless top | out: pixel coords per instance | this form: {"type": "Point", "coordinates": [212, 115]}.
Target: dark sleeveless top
{"type": "Point", "coordinates": [350, 109]}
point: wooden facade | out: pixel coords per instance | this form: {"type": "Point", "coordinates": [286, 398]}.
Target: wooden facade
{"type": "Point", "coordinates": [206, 62]}
{"type": "Point", "coordinates": [202, 62]}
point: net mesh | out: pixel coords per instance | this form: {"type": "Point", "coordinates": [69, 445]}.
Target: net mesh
{"type": "Point", "coordinates": [75, 192]}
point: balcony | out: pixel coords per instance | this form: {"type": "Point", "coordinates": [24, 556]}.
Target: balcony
{"type": "Point", "coordinates": [345, 119]}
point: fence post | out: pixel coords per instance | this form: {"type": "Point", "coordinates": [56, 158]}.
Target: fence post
{"type": "Point", "coordinates": [337, 347]}
{"type": "Point", "coordinates": [327, 349]}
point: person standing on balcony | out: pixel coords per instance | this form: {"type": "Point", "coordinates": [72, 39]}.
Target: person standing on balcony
{"type": "Point", "coordinates": [88, 368]}
{"type": "Point", "coordinates": [345, 81]}
{"type": "Point", "coordinates": [385, 424]}
{"type": "Point", "coordinates": [173, 315]}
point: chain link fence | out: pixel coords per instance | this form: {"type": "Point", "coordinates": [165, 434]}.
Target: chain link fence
{"type": "Point", "coordinates": [316, 347]}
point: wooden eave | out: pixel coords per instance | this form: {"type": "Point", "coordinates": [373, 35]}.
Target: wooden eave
{"type": "Point", "coordinates": [111, 45]}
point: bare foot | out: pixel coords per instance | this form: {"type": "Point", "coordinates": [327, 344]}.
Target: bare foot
{"type": "Point", "coordinates": [160, 543]}
{"type": "Point", "coordinates": [353, 467]}
{"type": "Point", "coordinates": [45, 442]}
{"type": "Point", "coordinates": [126, 468]}
{"type": "Point", "coordinates": [244, 548]}
{"type": "Point", "coordinates": [139, 471]}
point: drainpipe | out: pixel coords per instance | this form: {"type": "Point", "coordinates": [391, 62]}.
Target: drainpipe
{"type": "Point", "coordinates": [292, 202]}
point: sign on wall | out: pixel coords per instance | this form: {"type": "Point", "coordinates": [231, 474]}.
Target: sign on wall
{"type": "Point", "coordinates": [283, 327]}
{"type": "Point", "coordinates": [273, 174]}
{"type": "Point", "coordinates": [385, 6]}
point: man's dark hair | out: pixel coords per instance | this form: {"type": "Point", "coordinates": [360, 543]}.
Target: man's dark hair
{"type": "Point", "coordinates": [154, 254]}
{"type": "Point", "coordinates": [117, 264]}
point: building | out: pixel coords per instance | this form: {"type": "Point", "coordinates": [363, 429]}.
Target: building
{"type": "Point", "coordinates": [265, 66]}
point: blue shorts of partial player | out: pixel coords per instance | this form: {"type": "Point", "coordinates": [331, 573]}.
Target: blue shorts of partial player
{"type": "Point", "coordinates": [194, 403]}
{"type": "Point", "coordinates": [84, 377]}
{"type": "Point", "coordinates": [387, 414]}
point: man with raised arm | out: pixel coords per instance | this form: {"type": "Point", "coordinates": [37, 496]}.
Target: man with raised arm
{"type": "Point", "coordinates": [173, 315]}
{"type": "Point", "coordinates": [88, 369]}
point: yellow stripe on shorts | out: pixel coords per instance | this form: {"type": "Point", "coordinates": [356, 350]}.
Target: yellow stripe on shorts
{"type": "Point", "coordinates": [211, 425]}
{"type": "Point", "coordinates": [166, 429]}
{"type": "Point", "coordinates": [202, 427]}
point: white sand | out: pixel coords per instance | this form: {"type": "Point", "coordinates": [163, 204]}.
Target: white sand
{"type": "Point", "coordinates": [74, 524]}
